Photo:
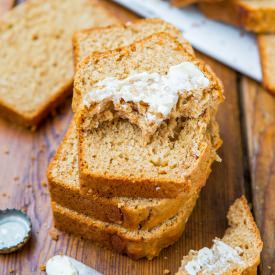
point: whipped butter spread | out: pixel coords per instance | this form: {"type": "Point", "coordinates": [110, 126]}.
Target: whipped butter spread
{"type": "Point", "coordinates": [216, 260]}
{"type": "Point", "coordinates": [64, 265]}
{"type": "Point", "coordinates": [159, 92]}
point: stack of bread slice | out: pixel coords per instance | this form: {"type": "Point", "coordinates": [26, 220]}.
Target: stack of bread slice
{"type": "Point", "coordinates": [129, 171]}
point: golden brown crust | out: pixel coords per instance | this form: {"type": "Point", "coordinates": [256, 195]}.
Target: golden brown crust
{"type": "Point", "coordinates": [243, 14]}
{"type": "Point", "coordinates": [266, 43]}
{"type": "Point", "coordinates": [183, 3]}
{"type": "Point", "coordinates": [136, 244]}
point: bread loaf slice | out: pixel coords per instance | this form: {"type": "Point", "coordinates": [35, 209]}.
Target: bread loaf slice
{"type": "Point", "coordinates": [183, 3]}
{"type": "Point", "coordinates": [267, 53]}
{"type": "Point", "coordinates": [36, 67]}
{"type": "Point", "coordinates": [114, 162]}
{"type": "Point", "coordinates": [102, 39]}
{"type": "Point", "coordinates": [252, 15]}
{"type": "Point", "coordinates": [238, 252]}
{"type": "Point", "coordinates": [134, 243]}
{"type": "Point", "coordinates": [137, 83]}
{"type": "Point", "coordinates": [128, 212]}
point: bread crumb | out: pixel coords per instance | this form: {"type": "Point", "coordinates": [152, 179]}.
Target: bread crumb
{"type": "Point", "coordinates": [166, 271]}
{"type": "Point", "coordinates": [54, 234]}
{"type": "Point", "coordinates": [157, 188]}
{"type": "Point", "coordinates": [33, 158]}
{"type": "Point", "coordinates": [16, 178]}
{"type": "Point", "coordinates": [42, 267]}
{"type": "Point", "coordinates": [6, 151]}
{"type": "Point", "coordinates": [29, 185]}
{"type": "Point", "coordinates": [165, 258]}
{"type": "Point", "coordinates": [4, 194]}
{"type": "Point", "coordinates": [11, 270]}
{"type": "Point", "coordinates": [44, 184]}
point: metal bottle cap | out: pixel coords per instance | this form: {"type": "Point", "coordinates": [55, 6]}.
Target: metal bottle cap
{"type": "Point", "coordinates": [15, 230]}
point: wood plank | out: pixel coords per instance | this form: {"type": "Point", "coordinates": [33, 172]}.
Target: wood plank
{"type": "Point", "coordinates": [26, 155]}
{"type": "Point", "coordinates": [259, 119]}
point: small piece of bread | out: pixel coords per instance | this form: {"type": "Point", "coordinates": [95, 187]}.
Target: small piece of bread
{"type": "Point", "coordinates": [252, 15]}
{"type": "Point", "coordinates": [267, 54]}
{"type": "Point", "coordinates": [130, 213]}
{"type": "Point", "coordinates": [183, 3]}
{"type": "Point", "coordinates": [134, 243]}
{"type": "Point", "coordinates": [107, 38]}
{"type": "Point", "coordinates": [36, 59]}
{"type": "Point", "coordinates": [238, 252]}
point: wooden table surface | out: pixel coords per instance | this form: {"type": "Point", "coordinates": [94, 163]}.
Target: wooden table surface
{"type": "Point", "coordinates": [247, 122]}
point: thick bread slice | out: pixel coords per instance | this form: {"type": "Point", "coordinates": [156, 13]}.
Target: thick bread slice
{"type": "Point", "coordinates": [135, 243]}
{"type": "Point", "coordinates": [267, 53]}
{"type": "Point", "coordinates": [36, 67]}
{"type": "Point", "coordinates": [183, 3]}
{"type": "Point", "coordinates": [252, 15]}
{"type": "Point", "coordinates": [155, 54]}
{"type": "Point", "coordinates": [130, 213]}
{"type": "Point", "coordinates": [107, 38]}
{"type": "Point", "coordinates": [114, 162]}
{"type": "Point", "coordinates": [242, 235]}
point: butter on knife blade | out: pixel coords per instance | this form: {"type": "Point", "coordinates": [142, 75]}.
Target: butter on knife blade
{"type": "Point", "coordinates": [64, 265]}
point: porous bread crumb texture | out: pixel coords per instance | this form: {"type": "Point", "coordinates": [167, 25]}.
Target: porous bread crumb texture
{"type": "Point", "coordinates": [252, 15]}
{"type": "Point", "coordinates": [243, 233]}
{"type": "Point", "coordinates": [267, 55]}
{"type": "Point", "coordinates": [102, 39]}
{"type": "Point", "coordinates": [136, 244]}
{"type": "Point", "coordinates": [129, 212]}
{"type": "Point", "coordinates": [156, 53]}
{"type": "Point", "coordinates": [114, 161]}
{"type": "Point", "coordinates": [183, 3]}
{"type": "Point", "coordinates": [37, 65]}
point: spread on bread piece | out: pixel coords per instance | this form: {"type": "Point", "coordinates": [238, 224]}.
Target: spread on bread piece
{"type": "Point", "coordinates": [238, 252]}
{"type": "Point", "coordinates": [146, 99]}
{"type": "Point", "coordinates": [102, 39]}
{"type": "Point", "coordinates": [36, 71]}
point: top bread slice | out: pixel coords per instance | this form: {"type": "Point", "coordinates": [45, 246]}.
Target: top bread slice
{"type": "Point", "coordinates": [243, 239]}
{"type": "Point", "coordinates": [36, 59]}
{"type": "Point", "coordinates": [154, 55]}
{"type": "Point", "coordinates": [252, 15]}
{"type": "Point", "coordinates": [183, 3]}
{"type": "Point", "coordinates": [267, 53]}
{"type": "Point", "coordinates": [102, 39]}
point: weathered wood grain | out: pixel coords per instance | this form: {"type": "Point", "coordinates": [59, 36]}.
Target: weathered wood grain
{"type": "Point", "coordinates": [259, 119]}
{"type": "Point", "coordinates": [26, 155]}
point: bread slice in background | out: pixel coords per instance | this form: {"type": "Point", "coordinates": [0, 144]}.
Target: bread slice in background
{"type": "Point", "coordinates": [252, 15]}
{"type": "Point", "coordinates": [36, 59]}
{"type": "Point", "coordinates": [242, 235]}
{"type": "Point", "coordinates": [266, 44]}
{"type": "Point", "coordinates": [107, 38]}
{"type": "Point", "coordinates": [134, 243]}
{"type": "Point", "coordinates": [183, 3]}
{"type": "Point", "coordinates": [130, 213]}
